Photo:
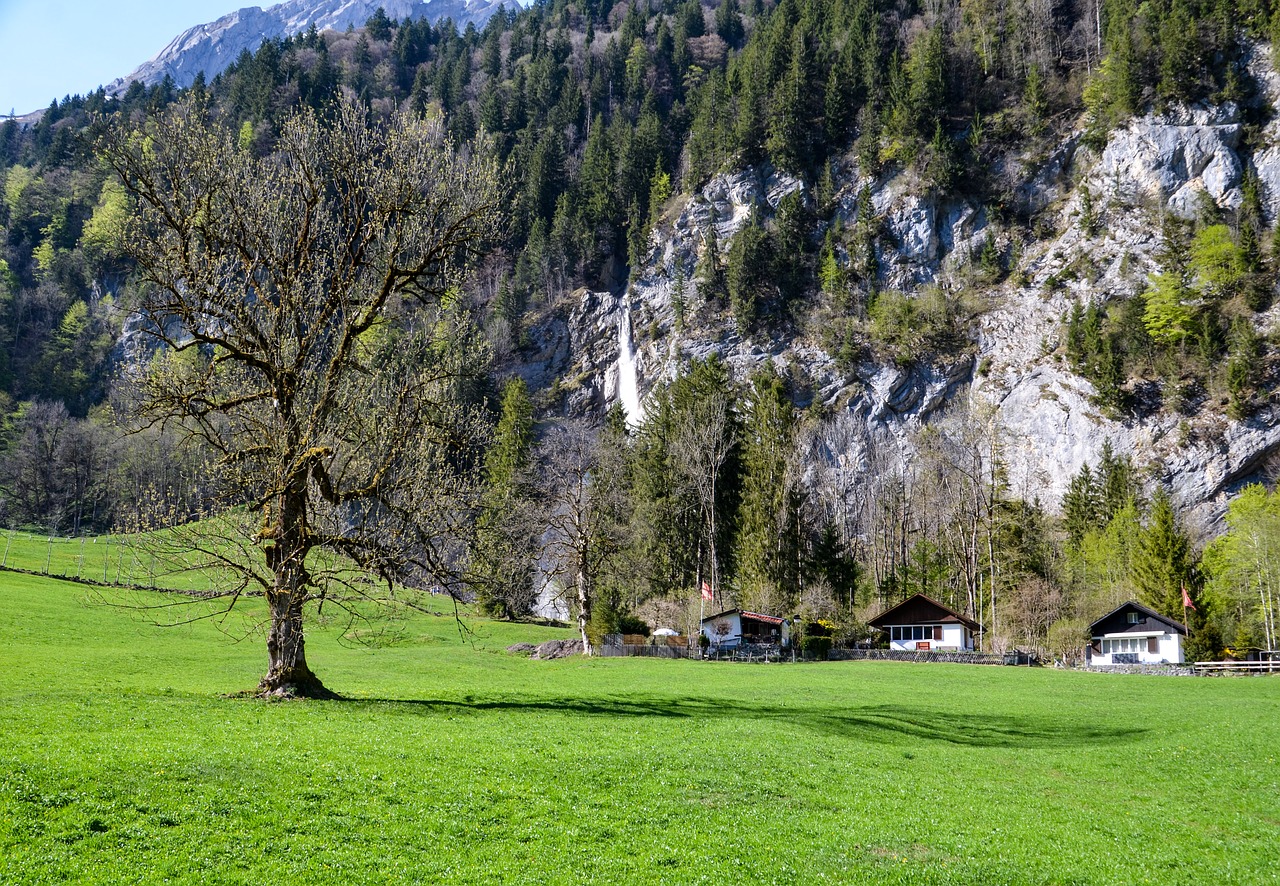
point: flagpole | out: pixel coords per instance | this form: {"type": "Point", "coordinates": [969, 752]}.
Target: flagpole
{"type": "Point", "coordinates": [702, 601]}
{"type": "Point", "coordinates": [1186, 622]}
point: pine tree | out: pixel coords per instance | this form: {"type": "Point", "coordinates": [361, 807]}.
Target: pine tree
{"type": "Point", "coordinates": [766, 554]}
{"type": "Point", "coordinates": [712, 283]}
{"type": "Point", "coordinates": [1163, 563]}
{"type": "Point", "coordinates": [1081, 506]}
{"type": "Point", "coordinates": [502, 556]}
{"type": "Point", "coordinates": [1117, 485]}
{"type": "Point", "coordinates": [748, 273]}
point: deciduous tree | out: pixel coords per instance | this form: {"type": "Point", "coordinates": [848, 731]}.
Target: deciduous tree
{"type": "Point", "coordinates": [298, 296]}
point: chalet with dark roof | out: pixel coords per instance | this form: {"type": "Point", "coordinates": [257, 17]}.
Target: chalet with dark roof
{"type": "Point", "coordinates": [1134, 634]}
{"type": "Point", "coordinates": [922, 624]}
{"type": "Point", "coordinates": [735, 627]}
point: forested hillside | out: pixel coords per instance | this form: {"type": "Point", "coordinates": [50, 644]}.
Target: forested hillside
{"type": "Point", "coordinates": [614, 123]}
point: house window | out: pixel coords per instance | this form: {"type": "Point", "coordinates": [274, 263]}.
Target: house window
{"type": "Point", "coordinates": [1133, 618]}
{"type": "Point", "coordinates": [1124, 644]}
{"type": "Point", "coordinates": [914, 632]}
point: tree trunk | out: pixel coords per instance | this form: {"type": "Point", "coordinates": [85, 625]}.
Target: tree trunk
{"type": "Point", "coordinates": [584, 609]}
{"type": "Point", "coordinates": [287, 673]}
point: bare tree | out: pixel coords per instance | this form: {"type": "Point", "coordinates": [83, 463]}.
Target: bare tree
{"type": "Point", "coordinates": [583, 497]}
{"type": "Point", "coordinates": [298, 297]}
{"type": "Point", "coordinates": [703, 439]}
{"type": "Point", "coordinates": [31, 473]}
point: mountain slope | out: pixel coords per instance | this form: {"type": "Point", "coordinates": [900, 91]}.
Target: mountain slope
{"type": "Point", "coordinates": [213, 46]}
{"type": "Point", "coordinates": [1099, 213]}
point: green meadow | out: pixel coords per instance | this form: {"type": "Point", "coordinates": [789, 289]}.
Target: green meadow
{"type": "Point", "coordinates": [108, 559]}
{"type": "Point", "coordinates": [126, 757]}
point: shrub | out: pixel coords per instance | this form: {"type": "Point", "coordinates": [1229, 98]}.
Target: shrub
{"type": "Point", "coordinates": [630, 624]}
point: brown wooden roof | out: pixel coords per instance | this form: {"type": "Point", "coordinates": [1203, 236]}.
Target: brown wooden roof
{"type": "Point", "coordinates": [749, 616]}
{"type": "Point", "coordinates": [921, 610]}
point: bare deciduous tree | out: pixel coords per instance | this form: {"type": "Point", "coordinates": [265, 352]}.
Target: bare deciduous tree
{"type": "Point", "coordinates": [299, 299]}
{"type": "Point", "coordinates": [701, 446]}
{"type": "Point", "coordinates": [583, 497]}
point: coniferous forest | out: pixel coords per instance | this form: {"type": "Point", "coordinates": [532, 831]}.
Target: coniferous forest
{"type": "Point", "coordinates": [603, 118]}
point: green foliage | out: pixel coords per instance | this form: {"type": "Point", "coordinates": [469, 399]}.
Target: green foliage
{"type": "Point", "coordinates": [1163, 562]}
{"type": "Point", "coordinates": [103, 235]}
{"type": "Point", "coordinates": [1094, 498]}
{"type": "Point", "coordinates": [816, 647]}
{"type": "Point", "coordinates": [1168, 315]}
{"type": "Point", "coordinates": [748, 277]}
{"type": "Point", "coordinates": [911, 326]}
{"type": "Point", "coordinates": [713, 284]}
{"type": "Point", "coordinates": [502, 555]}
{"type": "Point", "coordinates": [1244, 359]}
{"type": "Point", "coordinates": [1242, 569]}
{"type": "Point", "coordinates": [767, 541]}
{"type": "Point", "coordinates": [1067, 638]}
{"type": "Point", "coordinates": [1114, 92]}
{"type": "Point", "coordinates": [16, 182]}
{"type": "Point", "coordinates": [1080, 506]}
{"type": "Point", "coordinates": [1101, 567]}
{"type": "Point", "coordinates": [1217, 263]}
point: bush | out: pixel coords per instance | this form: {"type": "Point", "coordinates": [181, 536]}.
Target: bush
{"type": "Point", "coordinates": [816, 647]}
{"type": "Point", "coordinates": [630, 624]}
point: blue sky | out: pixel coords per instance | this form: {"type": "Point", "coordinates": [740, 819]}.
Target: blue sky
{"type": "Point", "coordinates": [53, 48]}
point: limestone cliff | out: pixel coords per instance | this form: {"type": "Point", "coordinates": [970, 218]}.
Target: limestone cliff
{"type": "Point", "coordinates": [1049, 421]}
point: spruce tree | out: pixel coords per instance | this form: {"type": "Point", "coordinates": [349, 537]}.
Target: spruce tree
{"type": "Point", "coordinates": [766, 550]}
{"type": "Point", "coordinates": [502, 556]}
{"type": "Point", "coordinates": [1080, 506]}
{"type": "Point", "coordinates": [1163, 563]}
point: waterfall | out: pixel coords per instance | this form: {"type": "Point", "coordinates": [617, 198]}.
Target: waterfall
{"type": "Point", "coordinates": [628, 386]}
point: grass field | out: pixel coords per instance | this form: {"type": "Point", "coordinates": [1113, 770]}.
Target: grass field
{"type": "Point", "coordinates": [121, 761]}
{"type": "Point", "coordinates": [109, 559]}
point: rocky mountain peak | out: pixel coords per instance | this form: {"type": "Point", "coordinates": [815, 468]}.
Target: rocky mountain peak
{"type": "Point", "coordinates": [211, 47]}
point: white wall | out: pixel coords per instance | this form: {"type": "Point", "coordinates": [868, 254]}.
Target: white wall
{"type": "Point", "coordinates": [1170, 649]}
{"type": "Point", "coordinates": [734, 635]}
{"type": "Point", "coordinates": [953, 637]}
{"type": "Point", "coordinates": [910, 645]}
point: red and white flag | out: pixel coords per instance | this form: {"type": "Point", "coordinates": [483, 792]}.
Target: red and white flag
{"type": "Point", "coordinates": [1186, 599]}
{"type": "Point", "coordinates": [706, 592]}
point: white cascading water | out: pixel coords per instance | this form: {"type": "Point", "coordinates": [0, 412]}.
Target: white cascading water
{"type": "Point", "coordinates": [628, 386]}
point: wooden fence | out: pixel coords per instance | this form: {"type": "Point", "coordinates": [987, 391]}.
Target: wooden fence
{"type": "Point", "coordinates": [949, 657]}
{"type": "Point", "coordinates": [647, 650]}
{"type": "Point", "coordinates": [1243, 667]}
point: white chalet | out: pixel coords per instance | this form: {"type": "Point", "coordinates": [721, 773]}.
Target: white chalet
{"type": "Point", "coordinates": [1134, 634]}
{"type": "Point", "coordinates": [922, 624]}
{"type": "Point", "coordinates": [737, 626]}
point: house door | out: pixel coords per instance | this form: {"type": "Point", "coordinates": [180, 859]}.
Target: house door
{"type": "Point", "coordinates": [1153, 645]}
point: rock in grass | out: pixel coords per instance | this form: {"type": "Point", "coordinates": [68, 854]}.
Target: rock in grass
{"type": "Point", "coordinates": [558, 649]}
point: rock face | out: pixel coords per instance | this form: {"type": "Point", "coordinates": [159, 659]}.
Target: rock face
{"type": "Point", "coordinates": [1098, 220]}
{"type": "Point", "coordinates": [1178, 158]}
{"type": "Point", "coordinates": [212, 47]}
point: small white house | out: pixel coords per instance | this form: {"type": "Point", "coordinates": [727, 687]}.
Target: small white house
{"type": "Point", "coordinates": [1134, 634]}
{"type": "Point", "coordinates": [737, 626]}
{"type": "Point", "coordinates": [922, 624]}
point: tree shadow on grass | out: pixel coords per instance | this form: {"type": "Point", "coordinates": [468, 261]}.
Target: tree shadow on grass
{"type": "Point", "coordinates": [888, 724]}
